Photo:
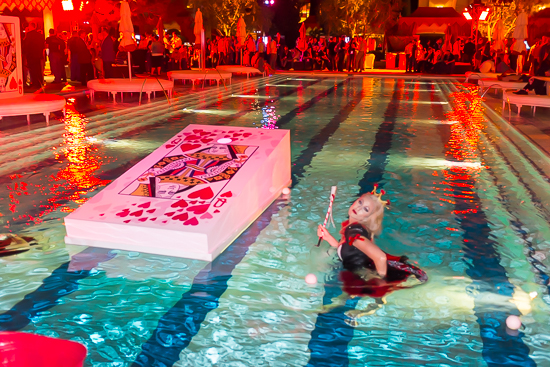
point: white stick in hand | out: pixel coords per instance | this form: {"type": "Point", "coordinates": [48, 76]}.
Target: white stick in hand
{"type": "Point", "coordinates": [329, 211]}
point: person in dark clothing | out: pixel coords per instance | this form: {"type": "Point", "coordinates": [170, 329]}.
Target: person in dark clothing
{"type": "Point", "coordinates": [446, 65]}
{"type": "Point", "coordinates": [73, 57]}
{"type": "Point", "coordinates": [341, 49]}
{"type": "Point", "coordinates": [34, 52]}
{"type": "Point", "coordinates": [56, 54]}
{"type": "Point", "coordinates": [331, 47]}
{"type": "Point", "coordinates": [84, 58]}
{"type": "Point", "coordinates": [539, 86]}
{"type": "Point", "coordinates": [108, 52]}
{"type": "Point", "coordinates": [469, 51]}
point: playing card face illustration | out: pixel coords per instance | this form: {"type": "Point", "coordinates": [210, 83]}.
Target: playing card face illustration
{"type": "Point", "coordinates": [198, 174]}
{"type": "Point", "coordinates": [10, 58]}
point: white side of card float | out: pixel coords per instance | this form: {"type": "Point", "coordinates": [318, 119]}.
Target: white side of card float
{"type": "Point", "coordinates": [177, 218]}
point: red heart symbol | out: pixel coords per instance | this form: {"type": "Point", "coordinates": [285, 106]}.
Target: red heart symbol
{"type": "Point", "coordinates": [13, 84]}
{"type": "Point", "coordinates": [204, 133]}
{"type": "Point", "coordinates": [186, 147]}
{"type": "Point", "coordinates": [151, 210]}
{"type": "Point", "coordinates": [123, 213]}
{"type": "Point", "coordinates": [179, 204]}
{"type": "Point", "coordinates": [216, 211]}
{"type": "Point", "coordinates": [227, 194]}
{"type": "Point", "coordinates": [153, 219]}
{"type": "Point", "coordinates": [246, 135]}
{"type": "Point", "coordinates": [144, 205]}
{"type": "Point", "coordinates": [191, 222]}
{"type": "Point", "coordinates": [193, 202]}
{"type": "Point", "coordinates": [170, 214]}
{"type": "Point", "coordinates": [192, 137]}
{"type": "Point", "coordinates": [127, 221]}
{"type": "Point", "coordinates": [198, 209]}
{"type": "Point", "coordinates": [203, 194]}
{"type": "Point", "coordinates": [169, 146]}
{"type": "Point", "coordinates": [204, 140]}
{"type": "Point", "coordinates": [142, 219]}
{"type": "Point", "coordinates": [206, 216]}
{"type": "Point", "coordinates": [137, 214]}
{"type": "Point", "coordinates": [197, 131]}
{"type": "Point", "coordinates": [102, 214]}
{"type": "Point", "coordinates": [236, 134]}
{"type": "Point", "coordinates": [182, 217]}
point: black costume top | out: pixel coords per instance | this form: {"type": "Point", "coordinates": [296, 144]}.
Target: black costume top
{"type": "Point", "coordinates": [354, 259]}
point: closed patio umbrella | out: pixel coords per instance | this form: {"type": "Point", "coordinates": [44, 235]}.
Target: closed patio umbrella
{"type": "Point", "coordinates": [198, 30]}
{"type": "Point", "coordinates": [520, 33]}
{"type": "Point", "coordinates": [127, 43]}
{"type": "Point", "coordinates": [160, 29]}
{"type": "Point", "coordinates": [241, 35]}
{"type": "Point", "coordinates": [498, 36]}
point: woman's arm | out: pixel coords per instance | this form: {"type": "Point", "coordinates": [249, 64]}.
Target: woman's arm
{"type": "Point", "coordinates": [323, 233]}
{"type": "Point", "coordinates": [372, 251]}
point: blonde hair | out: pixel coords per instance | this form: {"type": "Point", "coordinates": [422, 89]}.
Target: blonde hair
{"type": "Point", "coordinates": [373, 223]}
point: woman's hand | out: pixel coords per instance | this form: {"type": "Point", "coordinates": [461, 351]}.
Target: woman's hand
{"type": "Point", "coordinates": [323, 233]}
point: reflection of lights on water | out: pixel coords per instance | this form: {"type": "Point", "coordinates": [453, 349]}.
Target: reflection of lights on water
{"type": "Point", "coordinates": [79, 151]}
{"type": "Point", "coordinates": [282, 85]}
{"type": "Point", "coordinates": [303, 79]}
{"type": "Point", "coordinates": [250, 96]}
{"type": "Point", "coordinates": [210, 112]}
{"type": "Point", "coordinates": [269, 117]}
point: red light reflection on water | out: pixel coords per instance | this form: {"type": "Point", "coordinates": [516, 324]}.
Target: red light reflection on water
{"type": "Point", "coordinates": [462, 147]}
{"type": "Point", "coordinates": [79, 160]}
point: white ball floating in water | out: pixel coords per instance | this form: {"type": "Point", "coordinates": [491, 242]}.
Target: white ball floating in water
{"type": "Point", "coordinates": [311, 279]}
{"type": "Point", "coordinates": [286, 191]}
{"type": "Point", "coordinates": [513, 322]}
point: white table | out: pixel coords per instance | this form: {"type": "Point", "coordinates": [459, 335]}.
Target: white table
{"type": "Point", "coordinates": [193, 75]}
{"type": "Point", "coordinates": [136, 85]}
{"type": "Point", "coordinates": [30, 104]}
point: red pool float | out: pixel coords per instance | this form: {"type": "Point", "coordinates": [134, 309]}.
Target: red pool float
{"type": "Point", "coordinates": [31, 350]}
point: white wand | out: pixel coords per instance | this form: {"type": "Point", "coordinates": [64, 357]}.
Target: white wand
{"type": "Point", "coordinates": [329, 211]}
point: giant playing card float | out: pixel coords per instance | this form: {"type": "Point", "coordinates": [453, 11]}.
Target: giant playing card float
{"type": "Point", "coordinates": [189, 198]}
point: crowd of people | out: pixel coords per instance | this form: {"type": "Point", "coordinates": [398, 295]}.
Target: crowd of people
{"type": "Point", "coordinates": [91, 57]}
{"type": "Point", "coordinates": [440, 57]}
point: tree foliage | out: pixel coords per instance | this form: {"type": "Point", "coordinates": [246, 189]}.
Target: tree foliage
{"type": "Point", "coordinates": [507, 14]}
{"type": "Point", "coordinates": [224, 14]}
{"type": "Point", "coordinates": [353, 17]}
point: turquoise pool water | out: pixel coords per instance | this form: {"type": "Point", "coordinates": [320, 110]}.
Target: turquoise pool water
{"type": "Point", "coordinates": [469, 205]}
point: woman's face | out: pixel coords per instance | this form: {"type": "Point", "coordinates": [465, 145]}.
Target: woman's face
{"type": "Point", "coordinates": [362, 208]}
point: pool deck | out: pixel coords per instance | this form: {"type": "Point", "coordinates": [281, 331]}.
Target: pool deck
{"type": "Point", "coordinates": [537, 128]}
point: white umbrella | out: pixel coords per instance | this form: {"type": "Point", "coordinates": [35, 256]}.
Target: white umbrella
{"type": "Point", "coordinates": [520, 33]}
{"type": "Point", "coordinates": [199, 37]}
{"type": "Point", "coordinates": [198, 26]}
{"type": "Point", "coordinates": [127, 43]}
{"type": "Point", "coordinates": [241, 35]}
{"type": "Point", "coordinates": [498, 35]}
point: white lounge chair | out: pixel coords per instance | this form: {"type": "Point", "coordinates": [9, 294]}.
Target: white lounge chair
{"type": "Point", "coordinates": [521, 100]}
{"type": "Point", "coordinates": [485, 84]}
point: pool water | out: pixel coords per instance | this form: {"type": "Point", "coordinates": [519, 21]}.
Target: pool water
{"type": "Point", "coordinates": [468, 205]}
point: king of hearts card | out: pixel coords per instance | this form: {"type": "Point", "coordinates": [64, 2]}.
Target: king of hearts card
{"type": "Point", "coordinates": [11, 68]}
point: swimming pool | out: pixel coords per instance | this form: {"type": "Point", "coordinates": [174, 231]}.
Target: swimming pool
{"type": "Point", "coordinates": [468, 205]}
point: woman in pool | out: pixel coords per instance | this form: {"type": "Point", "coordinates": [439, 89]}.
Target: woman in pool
{"type": "Point", "coordinates": [358, 251]}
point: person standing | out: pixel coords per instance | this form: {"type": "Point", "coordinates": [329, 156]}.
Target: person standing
{"type": "Point", "coordinates": [73, 58]}
{"type": "Point", "coordinates": [34, 53]}
{"type": "Point", "coordinates": [84, 58]}
{"type": "Point", "coordinates": [261, 47]}
{"type": "Point", "coordinates": [157, 54]}
{"type": "Point", "coordinates": [56, 51]}
{"type": "Point", "coordinates": [469, 51]}
{"type": "Point", "coordinates": [409, 57]}
{"type": "Point", "coordinates": [272, 51]}
{"type": "Point", "coordinates": [108, 54]}
{"type": "Point", "coordinates": [331, 49]}
{"type": "Point", "coordinates": [360, 55]}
